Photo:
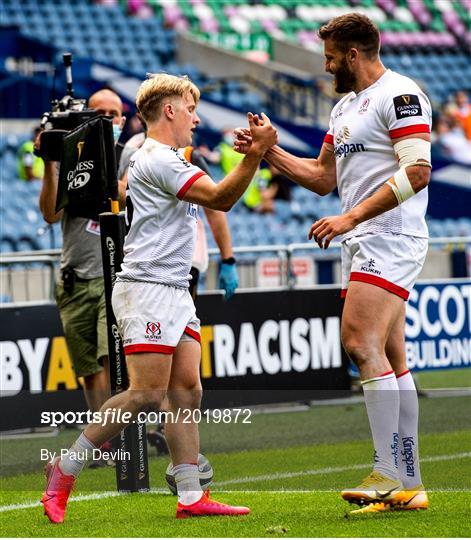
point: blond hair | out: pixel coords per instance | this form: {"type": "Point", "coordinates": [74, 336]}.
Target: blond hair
{"type": "Point", "coordinates": [158, 87]}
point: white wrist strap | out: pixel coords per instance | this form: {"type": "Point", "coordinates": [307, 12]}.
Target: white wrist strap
{"type": "Point", "coordinates": [401, 186]}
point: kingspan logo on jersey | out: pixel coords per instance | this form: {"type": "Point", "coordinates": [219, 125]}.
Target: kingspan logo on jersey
{"type": "Point", "coordinates": [342, 147]}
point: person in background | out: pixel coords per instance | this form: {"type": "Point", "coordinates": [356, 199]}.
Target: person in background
{"type": "Point", "coordinates": [281, 184]}
{"type": "Point", "coordinates": [461, 110]}
{"type": "Point", "coordinates": [228, 277]}
{"type": "Point", "coordinates": [223, 154]}
{"type": "Point", "coordinates": [450, 140]}
{"type": "Point", "coordinates": [267, 186]}
{"type": "Point", "coordinates": [133, 126]}
{"type": "Point", "coordinates": [80, 291]}
{"type": "Point", "coordinates": [29, 166]}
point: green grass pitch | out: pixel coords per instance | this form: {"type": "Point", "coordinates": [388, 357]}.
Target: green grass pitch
{"type": "Point", "coordinates": [288, 467]}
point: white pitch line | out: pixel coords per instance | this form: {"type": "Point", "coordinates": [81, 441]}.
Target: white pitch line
{"type": "Point", "coordinates": [78, 498]}
{"type": "Point", "coordinates": [327, 470]}
{"type": "Point", "coordinates": [249, 479]}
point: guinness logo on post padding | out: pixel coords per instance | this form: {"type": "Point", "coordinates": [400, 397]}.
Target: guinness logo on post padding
{"type": "Point", "coordinates": [80, 148]}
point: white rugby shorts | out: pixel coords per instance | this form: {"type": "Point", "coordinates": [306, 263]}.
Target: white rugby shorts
{"type": "Point", "coordinates": [152, 317]}
{"type": "Point", "coordinates": [390, 261]}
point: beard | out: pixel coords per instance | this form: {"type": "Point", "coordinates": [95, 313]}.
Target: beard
{"type": "Point", "coordinates": [344, 79]}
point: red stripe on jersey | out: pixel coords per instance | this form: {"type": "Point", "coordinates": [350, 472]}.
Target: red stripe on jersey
{"type": "Point", "coordinates": [186, 186]}
{"type": "Point", "coordinates": [192, 333]}
{"type": "Point", "coordinates": [380, 282]}
{"type": "Point", "coordinates": [402, 374]}
{"type": "Point", "coordinates": [149, 348]}
{"type": "Point", "coordinates": [343, 293]}
{"type": "Point", "coordinates": [329, 139]}
{"type": "Point", "coordinates": [409, 130]}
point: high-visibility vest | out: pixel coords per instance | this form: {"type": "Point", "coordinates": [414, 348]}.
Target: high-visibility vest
{"type": "Point", "coordinates": [37, 164]}
{"type": "Point", "coordinates": [229, 157]}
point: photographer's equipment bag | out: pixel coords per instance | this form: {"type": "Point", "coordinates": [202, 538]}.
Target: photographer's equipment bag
{"type": "Point", "coordinates": [88, 177]}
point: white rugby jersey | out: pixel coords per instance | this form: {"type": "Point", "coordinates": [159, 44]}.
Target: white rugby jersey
{"type": "Point", "coordinates": [160, 241]}
{"type": "Point", "coordinates": [361, 128]}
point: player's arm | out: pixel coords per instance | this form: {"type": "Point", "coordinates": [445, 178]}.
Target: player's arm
{"type": "Point", "coordinates": [413, 176]}
{"type": "Point", "coordinates": [228, 278]}
{"type": "Point", "coordinates": [318, 175]}
{"type": "Point", "coordinates": [220, 228]}
{"type": "Point", "coordinates": [225, 194]}
{"type": "Point", "coordinates": [408, 181]}
{"type": "Point", "coordinates": [48, 194]}
{"type": "Point", "coordinates": [217, 220]}
{"type": "Point", "coordinates": [122, 186]}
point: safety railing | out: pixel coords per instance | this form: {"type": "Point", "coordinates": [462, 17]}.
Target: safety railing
{"type": "Point", "coordinates": [16, 268]}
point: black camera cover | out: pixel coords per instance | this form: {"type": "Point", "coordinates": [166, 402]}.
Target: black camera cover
{"type": "Point", "coordinates": [87, 176]}
{"type": "Point", "coordinates": [62, 122]}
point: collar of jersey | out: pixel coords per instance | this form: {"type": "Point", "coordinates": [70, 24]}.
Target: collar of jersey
{"type": "Point", "coordinates": [151, 141]}
{"type": "Point", "coordinates": [383, 77]}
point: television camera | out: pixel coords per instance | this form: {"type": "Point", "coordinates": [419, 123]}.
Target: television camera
{"type": "Point", "coordinates": [65, 115]}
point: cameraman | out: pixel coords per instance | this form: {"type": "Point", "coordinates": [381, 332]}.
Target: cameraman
{"type": "Point", "coordinates": [80, 292]}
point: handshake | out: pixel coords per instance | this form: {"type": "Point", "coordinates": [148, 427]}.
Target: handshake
{"type": "Point", "coordinates": [259, 137]}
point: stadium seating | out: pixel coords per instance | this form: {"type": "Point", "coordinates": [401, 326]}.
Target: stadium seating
{"type": "Point", "coordinates": [23, 228]}
{"type": "Point", "coordinates": [22, 225]}
{"type": "Point", "coordinates": [108, 35]}
{"type": "Point", "coordinates": [425, 39]}
{"type": "Point", "coordinates": [409, 22]}
{"type": "Point", "coordinates": [419, 37]}
{"type": "Point", "coordinates": [442, 74]}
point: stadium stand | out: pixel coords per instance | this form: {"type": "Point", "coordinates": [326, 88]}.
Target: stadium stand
{"type": "Point", "coordinates": [279, 342]}
{"type": "Point", "coordinates": [106, 34]}
{"type": "Point", "coordinates": [23, 227]}
{"type": "Point", "coordinates": [428, 40]}
{"type": "Point", "coordinates": [425, 39]}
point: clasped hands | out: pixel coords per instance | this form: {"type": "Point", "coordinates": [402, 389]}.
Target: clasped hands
{"type": "Point", "coordinates": [323, 230]}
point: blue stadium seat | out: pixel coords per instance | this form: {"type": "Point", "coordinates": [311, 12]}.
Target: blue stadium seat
{"type": "Point", "coordinates": [7, 244]}
{"type": "Point", "coordinates": [283, 211]}
{"type": "Point", "coordinates": [435, 228]}
{"type": "Point", "coordinates": [26, 243]}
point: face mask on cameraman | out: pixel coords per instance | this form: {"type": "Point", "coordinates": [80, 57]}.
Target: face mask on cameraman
{"type": "Point", "coordinates": [117, 132]}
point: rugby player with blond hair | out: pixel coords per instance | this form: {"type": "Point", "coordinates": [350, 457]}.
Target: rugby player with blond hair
{"type": "Point", "coordinates": [153, 308]}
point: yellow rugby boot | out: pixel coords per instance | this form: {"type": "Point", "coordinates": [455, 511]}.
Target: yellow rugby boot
{"type": "Point", "coordinates": [376, 488]}
{"type": "Point", "coordinates": [413, 499]}
{"type": "Point", "coordinates": [373, 508]}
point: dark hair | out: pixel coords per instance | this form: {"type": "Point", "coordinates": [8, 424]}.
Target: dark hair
{"type": "Point", "coordinates": [352, 30]}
